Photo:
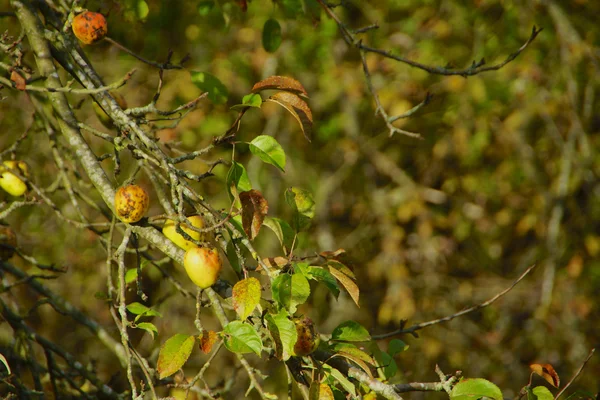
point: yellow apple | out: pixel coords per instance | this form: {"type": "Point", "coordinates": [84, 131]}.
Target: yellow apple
{"type": "Point", "coordinates": [170, 231]}
{"type": "Point", "coordinates": [131, 203]}
{"type": "Point", "coordinates": [308, 337]}
{"type": "Point", "coordinates": [203, 266]}
{"type": "Point", "coordinates": [9, 181]}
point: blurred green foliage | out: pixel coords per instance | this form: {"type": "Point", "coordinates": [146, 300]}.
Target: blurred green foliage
{"type": "Point", "coordinates": [506, 174]}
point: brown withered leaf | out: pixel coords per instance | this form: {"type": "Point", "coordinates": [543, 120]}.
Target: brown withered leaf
{"type": "Point", "coordinates": [207, 340]}
{"type": "Point", "coordinates": [332, 255]}
{"type": "Point", "coordinates": [280, 83]}
{"type": "Point", "coordinates": [339, 271]}
{"type": "Point", "coordinates": [275, 262]}
{"type": "Point", "coordinates": [547, 372]}
{"type": "Point", "coordinates": [298, 108]}
{"type": "Point", "coordinates": [254, 209]}
{"type": "Point", "coordinates": [18, 80]}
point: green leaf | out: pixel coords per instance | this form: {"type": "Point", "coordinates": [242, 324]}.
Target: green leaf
{"type": "Point", "coordinates": [249, 100]}
{"type": "Point", "coordinates": [292, 8]}
{"type": "Point", "coordinates": [542, 393]}
{"type": "Point", "coordinates": [137, 308]}
{"type": "Point", "coordinates": [148, 327]}
{"type": "Point", "coordinates": [283, 231]}
{"type": "Point", "coordinates": [131, 275]}
{"type": "Point", "coordinates": [237, 180]}
{"type": "Point", "coordinates": [385, 362]}
{"type": "Point", "coordinates": [290, 291]}
{"type": "Point", "coordinates": [174, 353]}
{"type": "Point", "coordinates": [268, 150]}
{"type": "Point", "coordinates": [346, 384]}
{"type": "Point", "coordinates": [217, 92]}
{"type": "Point", "coordinates": [350, 331]}
{"type": "Point", "coordinates": [284, 334]}
{"type": "Point", "coordinates": [271, 35]}
{"type": "Point", "coordinates": [396, 346]}
{"type": "Point", "coordinates": [242, 338]}
{"type": "Point", "coordinates": [473, 389]}
{"type": "Point", "coordinates": [302, 203]}
{"type": "Point", "coordinates": [324, 276]}
{"type": "Point", "coordinates": [142, 9]}
{"type": "Point", "coordinates": [246, 296]}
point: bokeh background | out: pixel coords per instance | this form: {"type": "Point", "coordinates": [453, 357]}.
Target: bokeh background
{"type": "Point", "coordinates": [506, 174]}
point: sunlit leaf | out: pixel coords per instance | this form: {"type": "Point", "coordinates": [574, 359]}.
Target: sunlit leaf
{"type": "Point", "coordinates": [290, 291]}
{"type": "Point", "coordinates": [302, 203]}
{"type": "Point", "coordinates": [148, 327]}
{"type": "Point", "coordinates": [5, 362]}
{"type": "Point", "coordinates": [341, 378]}
{"type": "Point", "coordinates": [350, 331]}
{"type": "Point", "coordinates": [280, 83]}
{"type": "Point", "coordinates": [298, 108]}
{"type": "Point", "coordinates": [250, 100]}
{"type": "Point", "coordinates": [268, 150]}
{"type": "Point", "coordinates": [324, 276]}
{"type": "Point", "coordinates": [246, 296]}
{"type": "Point", "coordinates": [217, 92]}
{"type": "Point", "coordinates": [240, 337]}
{"type": "Point", "coordinates": [174, 353]}
{"type": "Point", "coordinates": [254, 209]}
{"type": "Point", "coordinates": [542, 393]}
{"type": "Point", "coordinates": [207, 340]}
{"type": "Point", "coordinates": [347, 283]}
{"type": "Point", "coordinates": [283, 231]}
{"type": "Point", "coordinates": [271, 35]}
{"type": "Point", "coordinates": [320, 391]}
{"type": "Point", "coordinates": [473, 389]}
{"type": "Point", "coordinates": [283, 332]}
{"type": "Point", "coordinates": [547, 372]}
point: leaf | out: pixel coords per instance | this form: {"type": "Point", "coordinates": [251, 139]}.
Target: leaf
{"type": "Point", "coordinates": [350, 331]}
{"type": "Point", "coordinates": [5, 362]}
{"type": "Point", "coordinates": [250, 100]}
{"type": "Point", "coordinates": [547, 372]}
{"type": "Point", "coordinates": [346, 384]}
{"type": "Point", "coordinates": [298, 108]}
{"type": "Point", "coordinates": [205, 7]}
{"type": "Point", "coordinates": [396, 346]}
{"type": "Point", "coordinates": [237, 180]}
{"type": "Point", "coordinates": [303, 205]}
{"type": "Point", "coordinates": [349, 348]}
{"type": "Point", "coordinates": [280, 83]}
{"type": "Point", "coordinates": [268, 150]}
{"type": "Point", "coordinates": [217, 92]}
{"type": "Point", "coordinates": [292, 8]}
{"type": "Point", "coordinates": [174, 353]}
{"type": "Point", "coordinates": [348, 284]}
{"type": "Point", "coordinates": [290, 291]}
{"type": "Point", "coordinates": [324, 276]}
{"type": "Point", "coordinates": [148, 327]}
{"type": "Point", "coordinates": [283, 231]}
{"type": "Point", "coordinates": [274, 262]}
{"type": "Point", "coordinates": [384, 361]}
{"type": "Point", "coordinates": [242, 338]}
{"type": "Point", "coordinates": [357, 360]}
{"type": "Point", "coordinates": [473, 389]}
{"type": "Point", "coordinates": [320, 391]}
{"type": "Point", "coordinates": [207, 340]}
{"type": "Point", "coordinates": [271, 35]}
{"type": "Point", "coordinates": [342, 268]}
{"type": "Point", "coordinates": [137, 308]}
{"type": "Point", "coordinates": [232, 257]}
{"type": "Point", "coordinates": [254, 209]}
{"type": "Point", "coordinates": [246, 296]}
{"type": "Point", "coordinates": [18, 80]}
{"type": "Point", "coordinates": [284, 334]}
{"type": "Point", "coordinates": [542, 393]}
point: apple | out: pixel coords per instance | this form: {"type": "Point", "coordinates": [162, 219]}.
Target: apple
{"type": "Point", "coordinates": [203, 266]}
{"type": "Point", "coordinates": [308, 337]}
{"type": "Point", "coordinates": [9, 181]}
{"type": "Point", "coordinates": [90, 27]}
{"type": "Point", "coordinates": [131, 203]}
{"type": "Point", "coordinates": [170, 231]}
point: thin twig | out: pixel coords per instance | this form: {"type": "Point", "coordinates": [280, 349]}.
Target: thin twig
{"type": "Point", "coordinates": [576, 374]}
{"type": "Point", "coordinates": [33, 88]}
{"type": "Point", "coordinates": [422, 325]}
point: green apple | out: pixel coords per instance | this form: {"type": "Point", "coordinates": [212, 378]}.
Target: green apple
{"type": "Point", "coordinates": [170, 231]}
{"type": "Point", "coordinates": [203, 266]}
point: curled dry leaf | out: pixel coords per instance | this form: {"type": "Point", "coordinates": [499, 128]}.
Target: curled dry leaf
{"type": "Point", "coordinates": [18, 80]}
{"type": "Point", "coordinates": [280, 83]}
{"type": "Point", "coordinates": [207, 340]}
{"type": "Point", "coordinates": [547, 372]}
{"type": "Point", "coordinates": [254, 209]}
{"type": "Point", "coordinates": [298, 108]}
